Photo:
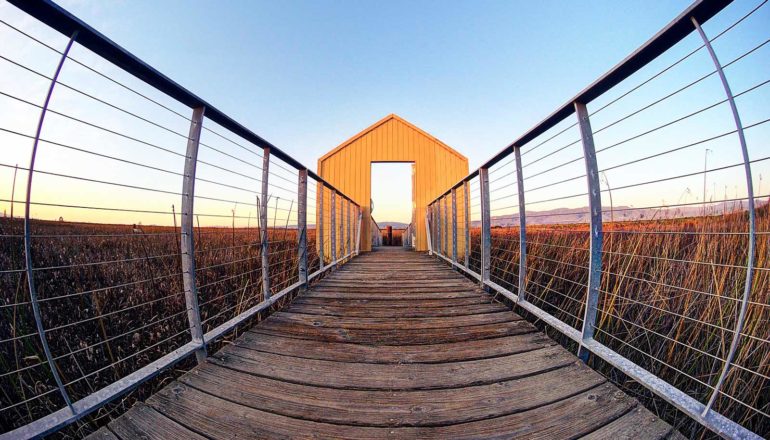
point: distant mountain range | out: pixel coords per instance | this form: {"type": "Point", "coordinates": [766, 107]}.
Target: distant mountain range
{"type": "Point", "coordinates": [619, 213]}
{"type": "Point", "coordinates": [395, 225]}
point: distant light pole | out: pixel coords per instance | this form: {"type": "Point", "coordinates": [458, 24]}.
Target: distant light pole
{"type": "Point", "coordinates": [705, 162]}
{"type": "Point", "coordinates": [13, 188]}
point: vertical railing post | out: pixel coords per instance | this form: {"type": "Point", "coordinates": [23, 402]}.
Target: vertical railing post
{"type": "Point", "coordinates": [439, 241]}
{"type": "Point", "coordinates": [595, 206]}
{"type": "Point", "coordinates": [429, 229]}
{"type": "Point", "coordinates": [28, 232]}
{"type": "Point", "coordinates": [486, 226]}
{"type": "Point", "coordinates": [263, 225]}
{"type": "Point", "coordinates": [522, 293]}
{"type": "Point", "coordinates": [302, 226]}
{"type": "Point", "coordinates": [349, 242]}
{"type": "Point", "coordinates": [320, 226]}
{"type": "Point", "coordinates": [358, 229]}
{"type": "Point", "coordinates": [467, 207]}
{"type": "Point", "coordinates": [454, 225]}
{"type": "Point", "coordinates": [750, 252]}
{"type": "Point", "coordinates": [333, 225]}
{"type": "Point", "coordinates": [341, 236]}
{"type": "Point", "coordinates": [188, 239]}
{"type": "Point", "coordinates": [446, 226]}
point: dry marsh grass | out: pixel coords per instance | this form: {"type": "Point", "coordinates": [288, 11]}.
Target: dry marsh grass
{"type": "Point", "coordinates": [669, 297]}
{"type": "Point", "coordinates": [112, 301]}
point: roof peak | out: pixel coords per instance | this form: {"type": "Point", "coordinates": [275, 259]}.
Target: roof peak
{"type": "Point", "coordinates": [382, 121]}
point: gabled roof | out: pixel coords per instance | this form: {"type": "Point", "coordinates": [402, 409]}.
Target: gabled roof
{"type": "Point", "coordinates": [382, 121]}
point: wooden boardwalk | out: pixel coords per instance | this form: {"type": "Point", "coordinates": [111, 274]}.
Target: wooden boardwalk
{"type": "Point", "coordinates": [392, 345]}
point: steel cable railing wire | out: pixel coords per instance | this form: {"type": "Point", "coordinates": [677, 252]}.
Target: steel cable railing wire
{"type": "Point", "coordinates": [649, 105]}
{"type": "Point", "coordinates": [630, 277]}
{"type": "Point", "coordinates": [139, 117]}
{"type": "Point", "coordinates": [129, 137]}
{"type": "Point", "coordinates": [222, 266]}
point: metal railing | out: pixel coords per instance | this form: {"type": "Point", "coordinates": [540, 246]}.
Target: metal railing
{"type": "Point", "coordinates": [376, 233]}
{"type": "Point", "coordinates": [672, 295]}
{"type": "Point", "coordinates": [407, 239]}
{"type": "Point", "coordinates": [176, 224]}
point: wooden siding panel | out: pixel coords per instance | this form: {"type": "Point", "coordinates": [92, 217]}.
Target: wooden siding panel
{"type": "Point", "coordinates": [436, 166]}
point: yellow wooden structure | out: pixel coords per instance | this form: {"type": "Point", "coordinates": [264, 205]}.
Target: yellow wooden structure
{"type": "Point", "coordinates": [435, 166]}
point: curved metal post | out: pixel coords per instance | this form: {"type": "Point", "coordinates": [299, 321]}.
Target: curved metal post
{"type": "Point", "coordinates": [595, 205]}
{"type": "Point", "coordinates": [28, 231]}
{"type": "Point", "coordinates": [302, 225]}
{"type": "Point", "coordinates": [752, 222]}
{"type": "Point", "coordinates": [358, 230]}
{"type": "Point", "coordinates": [486, 226]}
{"type": "Point", "coordinates": [447, 231]}
{"type": "Point", "coordinates": [320, 225]}
{"type": "Point", "coordinates": [188, 239]}
{"type": "Point", "coordinates": [349, 231]}
{"type": "Point", "coordinates": [522, 296]}
{"type": "Point", "coordinates": [333, 230]}
{"type": "Point", "coordinates": [428, 232]}
{"type": "Point", "coordinates": [467, 202]}
{"type": "Point", "coordinates": [263, 225]}
{"type": "Point", "coordinates": [454, 225]}
{"type": "Point", "coordinates": [437, 223]}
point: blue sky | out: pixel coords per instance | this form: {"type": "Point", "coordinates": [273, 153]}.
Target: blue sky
{"type": "Point", "coordinates": [307, 75]}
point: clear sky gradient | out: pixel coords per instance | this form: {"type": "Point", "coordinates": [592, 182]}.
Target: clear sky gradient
{"type": "Point", "coordinates": [307, 75]}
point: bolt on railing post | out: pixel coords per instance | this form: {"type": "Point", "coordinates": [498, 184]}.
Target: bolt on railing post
{"type": "Point", "coordinates": [595, 206]}
{"type": "Point", "coordinates": [741, 319]}
{"type": "Point", "coordinates": [320, 226]}
{"type": "Point", "coordinates": [454, 225]}
{"type": "Point", "coordinates": [302, 225]}
{"type": "Point", "coordinates": [28, 232]}
{"type": "Point", "coordinates": [263, 225]}
{"type": "Point", "coordinates": [467, 202]}
{"type": "Point", "coordinates": [188, 239]}
{"type": "Point", "coordinates": [486, 226]}
{"type": "Point", "coordinates": [333, 225]}
{"type": "Point", "coordinates": [522, 294]}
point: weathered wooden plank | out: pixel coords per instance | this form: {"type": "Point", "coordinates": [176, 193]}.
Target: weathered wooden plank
{"type": "Point", "coordinates": [389, 294]}
{"type": "Point", "coordinates": [142, 421]}
{"type": "Point", "coordinates": [390, 354]}
{"type": "Point", "coordinates": [392, 345]}
{"type": "Point", "coordinates": [389, 408]}
{"type": "Point", "coordinates": [564, 419]}
{"type": "Point", "coordinates": [337, 322]}
{"type": "Point", "coordinates": [397, 336]}
{"type": "Point", "coordinates": [403, 312]}
{"type": "Point", "coordinates": [394, 302]}
{"type": "Point", "coordinates": [394, 376]}
{"type": "Point", "coordinates": [102, 434]}
{"type": "Point", "coordinates": [637, 424]}
{"type": "Point", "coordinates": [568, 418]}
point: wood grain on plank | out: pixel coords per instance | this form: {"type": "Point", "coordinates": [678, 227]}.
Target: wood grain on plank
{"type": "Point", "coordinates": [402, 312]}
{"type": "Point", "coordinates": [391, 345]}
{"type": "Point", "coordinates": [394, 376]}
{"type": "Point", "coordinates": [389, 408]}
{"type": "Point", "coordinates": [390, 354]}
{"type": "Point", "coordinates": [637, 424]}
{"type": "Point", "coordinates": [142, 421]}
{"type": "Point", "coordinates": [567, 418]}
{"type": "Point", "coordinates": [398, 336]}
